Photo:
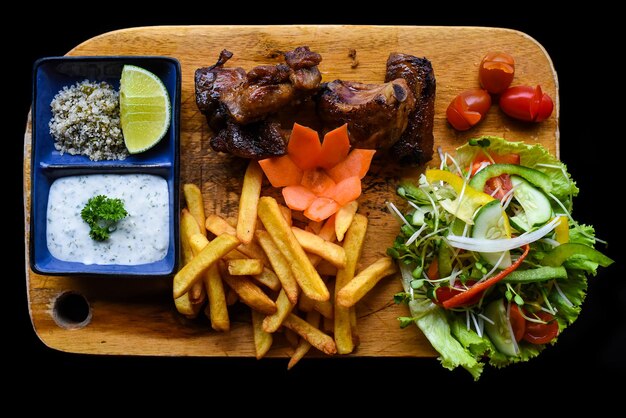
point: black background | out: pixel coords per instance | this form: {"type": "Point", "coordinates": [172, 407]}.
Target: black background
{"type": "Point", "coordinates": [587, 355]}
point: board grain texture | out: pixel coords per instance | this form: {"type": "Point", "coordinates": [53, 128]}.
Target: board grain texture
{"type": "Point", "coordinates": [137, 316]}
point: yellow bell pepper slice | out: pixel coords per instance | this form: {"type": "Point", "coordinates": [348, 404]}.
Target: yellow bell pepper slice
{"type": "Point", "coordinates": [472, 198]}
{"type": "Point", "coordinates": [562, 230]}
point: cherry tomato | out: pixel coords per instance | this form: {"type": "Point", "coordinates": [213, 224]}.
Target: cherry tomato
{"type": "Point", "coordinates": [444, 293]}
{"type": "Point", "coordinates": [541, 333]}
{"type": "Point", "coordinates": [496, 72]}
{"type": "Point", "coordinates": [526, 103]}
{"type": "Point", "coordinates": [468, 108]}
{"type": "Point", "coordinates": [518, 322]}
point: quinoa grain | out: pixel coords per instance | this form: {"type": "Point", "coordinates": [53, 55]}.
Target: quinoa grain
{"type": "Point", "coordinates": [86, 120]}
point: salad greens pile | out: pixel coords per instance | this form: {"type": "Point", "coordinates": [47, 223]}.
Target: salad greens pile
{"type": "Point", "coordinates": [493, 264]}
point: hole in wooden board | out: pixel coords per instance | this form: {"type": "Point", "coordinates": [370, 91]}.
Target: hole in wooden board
{"type": "Point", "coordinates": [71, 310]}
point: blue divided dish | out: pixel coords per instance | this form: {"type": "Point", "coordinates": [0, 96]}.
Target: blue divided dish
{"type": "Point", "coordinates": [50, 75]}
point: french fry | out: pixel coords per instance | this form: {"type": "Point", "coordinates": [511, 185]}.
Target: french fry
{"type": "Point", "coordinates": [188, 227]}
{"type": "Point", "coordinates": [313, 335]}
{"type": "Point", "coordinates": [280, 265]}
{"type": "Point", "coordinates": [218, 310]}
{"type": "Point", "coordinates": [248, 202]}
{"type": "Point", "coordinates": [304, 346]}
{"type": "Point", "coordinates": [352, 244]}
{"type": "Point", "coordinates": [245, 267]}
{"type": "Point", "coordinates": [317, 245]}
{"type": "Point", "coordinates": [192, 272]}
{"type": "Point", "coordinates": [328, 233]}
{"type": "Point", "coordinates": [249, 293]}
{"type": "Point", "coordinates": [262, 340]}
{"type": "Point", "coordinates": [195, 204]}
{"type": "Point", "coordinates": [344, 218]}
{"type": "Point", "coordinates": [267, 277]}
{"type": "Point", "coordinates": [218, 226]}
{"type": "Point", "coordinates": [363, 282]}
{"type": "Point", "coordinates": [286, 214]}
{"type": "Point", "coordinates": [272, 322]}
{"type": "Point", "coordinates": [307, 277]}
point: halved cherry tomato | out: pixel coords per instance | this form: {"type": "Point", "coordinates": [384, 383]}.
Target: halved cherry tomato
{"type": "Point", "coordinates": [444, 293]}
{"type": "Point", "coordinates": [468, 108]}
{"type": "Point", "coordinates": [496, 72]}
{"type": "Point", "coordinates": [518, 322]}
{"type": "Point", "coordinates": [541, 333]}
{"type": "Point", "coordinates": [526, 103]}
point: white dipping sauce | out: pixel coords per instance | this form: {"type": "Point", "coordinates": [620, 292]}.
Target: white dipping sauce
{"type": "Point", "coordinates": [142, 237]}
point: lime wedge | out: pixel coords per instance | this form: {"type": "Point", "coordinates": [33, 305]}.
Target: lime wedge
{"type": "Point", "coordinates": [144, 109]}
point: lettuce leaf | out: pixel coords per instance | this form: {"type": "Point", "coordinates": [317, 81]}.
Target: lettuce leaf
{"type": "Point", "coordinates": [482, 347]}
{"type": "Point", "coordinates": [574, 288]}
{"type": "Point", "coordinates": [564, 188]}
{"type": "Point", "coordinates": [576, 235]}
{"type": "Point", "coordinates": [433, 322]}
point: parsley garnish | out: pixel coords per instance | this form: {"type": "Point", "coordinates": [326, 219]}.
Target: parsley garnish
{"type": "Point", "coordinates": [102, 214]}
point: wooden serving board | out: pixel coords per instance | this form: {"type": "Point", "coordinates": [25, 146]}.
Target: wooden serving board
{"type": "Point", "coordinates": [137, 316]}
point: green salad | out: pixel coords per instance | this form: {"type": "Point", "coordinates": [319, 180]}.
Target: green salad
{"type": "Point", "coordinates": [493, 265]}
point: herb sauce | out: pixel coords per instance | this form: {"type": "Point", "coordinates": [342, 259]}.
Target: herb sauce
{"type": "Point", "coordinates": [142, 237]}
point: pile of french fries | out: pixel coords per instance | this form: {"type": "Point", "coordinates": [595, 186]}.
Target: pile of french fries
{"type": "Point", "coordinates": [283, 272]}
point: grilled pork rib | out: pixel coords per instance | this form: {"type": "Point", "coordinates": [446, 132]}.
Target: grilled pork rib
{"type": "Point", "coordinates": [376, 114]}
{"type": "Point", "coordinates": [265, 89]}
{"type": "Point", "coordinates": [236, 104]}
{"type": "Point", "coordinates": [416, 143]}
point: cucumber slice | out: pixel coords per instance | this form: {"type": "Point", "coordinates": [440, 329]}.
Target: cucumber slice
{"type": "Point", "coordinates": [535, 204]}
{"type": "Point", "coordinates": [492, 223]}
{"type": "Point", "coordinates": [533, 176]}
{"type": "Point", "coordinates": [500, 332]}
{"type": "Point", "coordinates": [519, 222]}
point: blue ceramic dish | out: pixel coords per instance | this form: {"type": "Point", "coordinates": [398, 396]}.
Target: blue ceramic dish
{"type": "Point", "coordinates": [50, 75]}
